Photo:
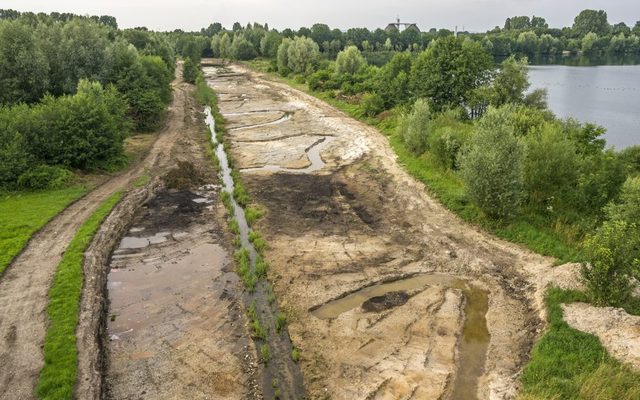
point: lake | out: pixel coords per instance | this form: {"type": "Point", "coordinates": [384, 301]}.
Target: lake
{"type": "Point", "coordinates": [608, 95]}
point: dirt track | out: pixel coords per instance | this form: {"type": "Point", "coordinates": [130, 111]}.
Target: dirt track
{"type": "Point", "coordinates": [25, 284]}
{"type": "Point", "coordinates": [359, 220]}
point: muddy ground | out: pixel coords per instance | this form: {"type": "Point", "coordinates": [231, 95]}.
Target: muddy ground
{"type": "Point", "coordinates": [176, 326]}
{"type": "Point", "coordinates": [359, 220]}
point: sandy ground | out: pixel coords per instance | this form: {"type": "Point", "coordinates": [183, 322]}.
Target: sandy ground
{"type": "Point", "coordinates": [618, 331]}
{"type": "Point", "coordinates": [362, 219]}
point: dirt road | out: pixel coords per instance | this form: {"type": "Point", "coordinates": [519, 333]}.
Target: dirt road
{"type": "Point", "coordinates": [25, 284]}
{"type": "Point", "coordinates": [342, 215]}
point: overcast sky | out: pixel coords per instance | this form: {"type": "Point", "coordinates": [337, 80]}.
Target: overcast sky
{"type": "Point", "coordinates": [474, 15]}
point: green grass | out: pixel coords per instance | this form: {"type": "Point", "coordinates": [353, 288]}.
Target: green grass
{"type": "Point", "coordinates": [23, 213]}
{"type": "Point", "coordinates": [252, 214]}
{"type": "Point", "coordinates": [248, 277]}
{"type": "Point", "coordinates": [265, 353]}
{"type": "Point", "coordinates": [142, 179]}
{"type": "Point", "coordinates": [58, 376]}
{"type": "Point", "coordinates": [257, 330]}
{"type": "Point", "coordinates": [569, 364]}
{"type": "Point", "coordinates": [258, 242]}
{"type": "Point", "coordinates": [295, 354]}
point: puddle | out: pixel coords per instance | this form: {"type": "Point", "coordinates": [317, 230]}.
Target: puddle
{"type": "Point", "coordinates": [475, 334]}
{"type": "Point", "coordinates": [313, 153]}
{"type": "Point", "coordinates": [285, 117]}
{"type": "Point", "coordinates": [132, 242]}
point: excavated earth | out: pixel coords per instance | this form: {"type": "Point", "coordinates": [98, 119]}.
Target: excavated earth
{"type": "Point", "coordinates": [352, 218]}
{"type": "Point", "coordinates": [176, 327]}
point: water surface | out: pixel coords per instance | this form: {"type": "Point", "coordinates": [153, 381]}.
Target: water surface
{"type": "Point", "coordinates": [608, 95]}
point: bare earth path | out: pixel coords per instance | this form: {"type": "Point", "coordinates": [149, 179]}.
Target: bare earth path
{"type": "Point", "coordinates": [356, 219]}
{"type": "Point", "coordinates": [25, 284]}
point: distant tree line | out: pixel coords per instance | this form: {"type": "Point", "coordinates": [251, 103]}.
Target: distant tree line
{"type": "Point", "coordinates": [71, 89]}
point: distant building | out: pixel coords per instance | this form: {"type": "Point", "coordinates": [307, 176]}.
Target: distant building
{"type": "Point", "coordinates": [396, 26]}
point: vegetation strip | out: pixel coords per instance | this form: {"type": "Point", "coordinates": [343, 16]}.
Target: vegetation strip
{"type": "Point", "coordinates": [25, 213]}
{"type": "Point", "coordinates": [267, 325]}
{"type": "Point", "coordinates": [58, 376]}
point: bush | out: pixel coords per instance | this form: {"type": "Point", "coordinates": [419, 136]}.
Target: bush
{"type": "Point", "coordinates": [551, 168]}
{"type": "Point", "coordinates": [189, 71]}
{"type": "Point", "coordinates": [614, 260]}
{"type": "Point", "coordinates": [44, 177]}
{"type": "Point", "coordinates": [413, 128]}
{"type": "Point", "coordinates": [445, 144]}
{"type": "Point", "coordinates": [301, 52]}
{"type": "Point", "coordinates": [627, 209]}
{"type": "Point", "coordinates": [349, 61]}
{"type": "Point", "coordinates": [491, 167]}
{"type": "Point", "coordinates": [371, 104]}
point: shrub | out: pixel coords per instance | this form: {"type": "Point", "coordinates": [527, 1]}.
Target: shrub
{"type": "Point", "coordinates": [491, 167]}
{"type": "Point", "coordinates": [445, 144]}
{"type": "Point", "coordinates": [614, 260]}
{"type": "Point", "coordinates": [349, 61]}
{"type": "Point", "coordinates": [189, 71]}
{"type": "Point", "coordinates": [301, 52]}
{"type": "Point", "coordinates": [44, 177]}
{"type": "Point", "coordinates": [627, 209]}
{"type": "Point", "coordinates": [413, 128]}
{"type": "Point", "coordinates": [371, 104]}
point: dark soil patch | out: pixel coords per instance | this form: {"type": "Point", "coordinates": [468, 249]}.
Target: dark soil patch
{"type": "Point", "coordinates": [184, 176]}
{"type": "Point", "coordinates": [303, 202]}
{"type": "Point", "coordinates": [170, 211]}
{"type": "Point", "coordinates": [386, 301]}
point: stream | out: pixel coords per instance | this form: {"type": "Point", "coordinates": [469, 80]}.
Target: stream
{"type": "Point", "coordinates": [281, 372]}
{"type": "Point", "coordinates": [475, 334]}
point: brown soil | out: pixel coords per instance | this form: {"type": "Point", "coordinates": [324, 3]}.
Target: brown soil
{"type": "Point", "coordinates": [362, 219]}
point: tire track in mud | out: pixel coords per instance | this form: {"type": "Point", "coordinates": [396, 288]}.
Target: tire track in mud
{"type": "Point", "coordinates": [25, 284]}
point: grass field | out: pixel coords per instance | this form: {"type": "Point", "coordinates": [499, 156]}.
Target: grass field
{"type": "Point", "coordinates": [58, 376]}
{"type": "Point", "coordinates": [24, 213]}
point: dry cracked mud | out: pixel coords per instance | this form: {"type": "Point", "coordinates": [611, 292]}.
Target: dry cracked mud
{"type": "Point", "coordinates": [360, 220]}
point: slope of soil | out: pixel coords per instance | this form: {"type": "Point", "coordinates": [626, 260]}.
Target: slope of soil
{"type": "Point", "coordinates": [359, 220]}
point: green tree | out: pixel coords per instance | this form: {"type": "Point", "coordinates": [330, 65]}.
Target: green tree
{"type": "Point", "coordinates": [24, 70]}
{"type": "Point", "coordinates": [241, 48]}
{"type": "Point", "coordinates": [614, 260]}
{"type": "Point", "coordinates": [511, 82]}
{"type": "Point", "coordinates": [627, 208]}
{"type": "Point", "coordinates": [413, 127]}
{"type": "Point", "coordinates": [551, 168]}
{"type": "Point", "coordinates": [591, 21]}
{"type": "Point", "coordinates": [282, 57]}
{"type": "Point", "coordinates": [590, 43]}
{"type": "Point", "coordinates": [225, 46]}
{"type": "Point", "coordinates": [349, 61]}
{"type": "Point", "coordinates": [528, 43]}
{"type": "Point", "coordinates": [491, 166]}
{"type": "Point", "coordinates": [301, 53]}
{"type": "Point", "coordinates": [393, 79]}
{"type": "Point", "coordinates": [269, 44]}
{"type": "Point", "coordinates": [189, 71]}
{"type": "Point", "coordinates": [449, 70]}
